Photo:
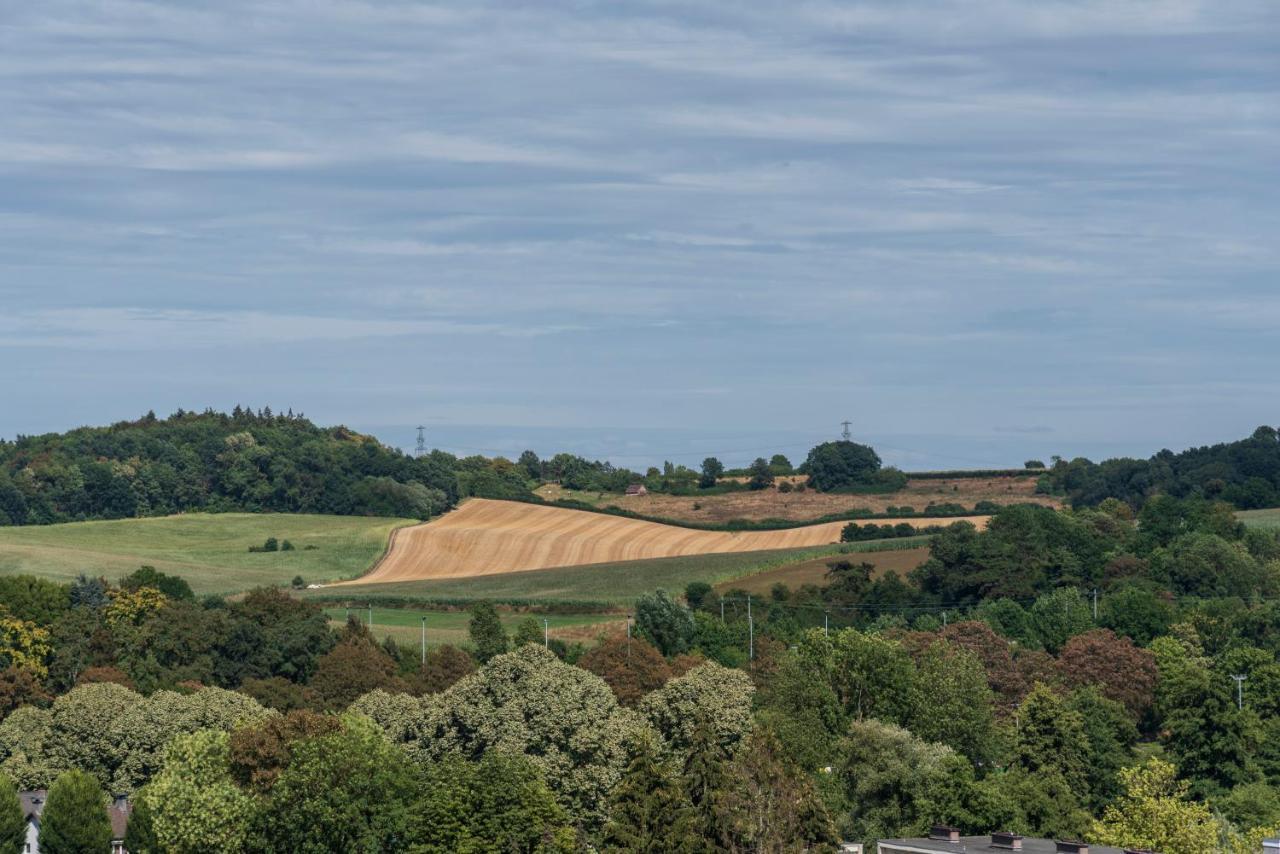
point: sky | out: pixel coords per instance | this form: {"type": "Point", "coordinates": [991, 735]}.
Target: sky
{"type": "Point", "coordinates": [979, 230]}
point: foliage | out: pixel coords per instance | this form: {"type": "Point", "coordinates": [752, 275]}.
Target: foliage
{"type": "Point", "coordinates": [664, 622]}
{"type": "Point", "coordinates": [140, 835]}
{"type": "Point", "coordinates": [23, 644]}
{"type": "Point", "coordinates": [839, 465]}
{"type": "Point", "coordinates": [1246, 473]}
{"type": "Point", "coordinates": [195, 805]}
{"type": "Point", "coordinates": [29, 598]}
{"type": "Point", "coordinates": [172, 586]}
{"type": "Point", "coordinates": [648, 812]}
{"type": "Point", "coordinates": [212, 461]}
{"type": "Point", "coordinates": [1124, 672]}
{"type": "Point", "coordinates": [355, 666]}
{"type": "Point", "coordinates": [632, 667]}
{"type": "Point", "coordinates": [13, 823]}
{"type": "Point", "coordinates": [258, 751]}
{"type": "Point", "coordinates": [1154, 813]}
{"type": "Point", "coordinates": [75, 818]}
{"type": "Point", "coordinates": [20, 687]}
{"type": "Point", "coordinates": [348, 790]}
{"type": "Point", "coordinates": [487, 635]}
{"type": "Point", "coordinates": [498, 803]}
{"type": "Point", "coordinates": [139, 735]}
{"type": "Point", "coordinates": [528, 702]}
{"type": "Point", "coordinates": [444, 666]}
{"type": "Point", "coordinates": [708, 696]}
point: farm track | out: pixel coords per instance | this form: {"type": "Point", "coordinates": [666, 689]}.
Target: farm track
{"type": "Point", "coordinates": [487, 537]}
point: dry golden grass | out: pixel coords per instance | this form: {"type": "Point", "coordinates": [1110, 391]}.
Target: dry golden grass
{"type": "Point", "coordinates": [798, 506]}
{"type": "Point", "coordinates": [485, 537]}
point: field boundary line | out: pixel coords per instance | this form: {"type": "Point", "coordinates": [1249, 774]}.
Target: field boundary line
{"type": "Point", "coordinates": [386, 550]}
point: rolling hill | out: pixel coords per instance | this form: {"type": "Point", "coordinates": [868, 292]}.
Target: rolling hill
{"type": "Point", "coordinates": [485, 537]}
{"type": "Point", "coordinates": [209, 550]}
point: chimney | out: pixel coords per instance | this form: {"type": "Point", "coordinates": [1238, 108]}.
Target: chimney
{"type": "Point", "coordinates": [1072, 846]}
{"type": "Point", "coordinates": [1005, 839]}
{"type": "Point", "coordinates": [947, 834]}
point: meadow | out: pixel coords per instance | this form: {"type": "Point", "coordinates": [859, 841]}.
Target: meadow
{"type": "Point", "coordinates": [405, 624]}
{"type": "Point", "coordinates": [209, 550]}
{"type": "Point", "coordinates": [1265, 519]}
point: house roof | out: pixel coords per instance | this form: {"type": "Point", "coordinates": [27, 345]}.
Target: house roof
{"type": "Point", "coordinates": [983, 845]}
{"type": "Point", "coordinates": [118, 812]}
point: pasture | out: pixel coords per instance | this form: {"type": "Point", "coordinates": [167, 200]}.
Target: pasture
{"type": "Point", "coordinates": [814, 570]}
{"type": "Point", "coordinates": [799, 506]}
{"type": "Point", "coordinates": [209, 550]}
{"type": "Point", "coordinates": [485, 537]}
{"type": "Point", "coordinates": [405, 625]}
{"type": "Point", "coordinates": [1265, 519]}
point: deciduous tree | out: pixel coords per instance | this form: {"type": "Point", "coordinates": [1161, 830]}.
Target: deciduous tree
{"type": "Point", "coordinates": [631, 666]}
{"type": "Point", "coordinates": [1156, 813]}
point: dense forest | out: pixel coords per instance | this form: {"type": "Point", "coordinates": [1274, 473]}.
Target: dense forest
{"type": "Point", "coordinates": [1084, 673]}
{"type": "Point", "coordinates": [242, 461]}
{"type": "Point", "coordinates": [1245, 473]}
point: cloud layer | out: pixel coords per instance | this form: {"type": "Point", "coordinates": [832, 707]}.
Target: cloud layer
{"type": "Point", "coordinates": [1020, 227]}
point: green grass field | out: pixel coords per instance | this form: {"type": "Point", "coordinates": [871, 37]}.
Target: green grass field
{"type": "Point", "coordinates": [405, 625]}
{"type": "Point", "coordinates": [612, 583]}
{"type": "Point", "coordinates": [1269, 519]}
{"type": "Point", "coordinates": [209, 550]}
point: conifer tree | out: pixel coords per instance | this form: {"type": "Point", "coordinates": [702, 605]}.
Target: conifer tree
{"type": "Point", "coordinates": [75, 816]}
{"type": "Point", "coordinates": [486, 631]}
{"type": "Point", "coordinates": [13, 824]}
{"type": "Point", "coordinates": [649, 812]}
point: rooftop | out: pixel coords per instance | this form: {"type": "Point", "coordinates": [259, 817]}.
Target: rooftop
{"type": "Point", "coordinates": [984, 845]}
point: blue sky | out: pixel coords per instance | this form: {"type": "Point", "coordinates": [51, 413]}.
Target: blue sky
{"type": "Point", "coordinates": [980, 230]}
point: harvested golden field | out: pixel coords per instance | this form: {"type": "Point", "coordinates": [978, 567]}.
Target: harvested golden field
{"type": "Point", "coordinates": [814, 571]}
{"type": "Point", "coordinates": [772, 504]}
{"type": "Point", "coordinates": [485, 537]}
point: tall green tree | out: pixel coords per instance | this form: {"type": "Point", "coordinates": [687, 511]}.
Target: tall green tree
{"type": "Point", "coordinates": [13, 824]}
{"type": "Point", "coordinates": [350, 790]}
{"type": "Point", "coordinates": [648, 811]}
{"type": "Point", "coordinates": [140, 836]}
{"type": "Point", "coordinates": [487, 634]}
{"type": "Point", "coordinates": [666, 623]}
{"type": "Point", "coordinates": [75, 818]}
{"type": "Point", "coordinates": [500, 803]}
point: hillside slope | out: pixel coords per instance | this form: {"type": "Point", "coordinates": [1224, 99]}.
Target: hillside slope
{"type": "Point", "coordinates": [209, 550]}
{"type": "Point", "coordinates": [485, 537]}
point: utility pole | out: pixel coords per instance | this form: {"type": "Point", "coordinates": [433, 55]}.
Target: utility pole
{"type": "Point", "coordinates": [370, 616]}
{"type": "Point", "coordinates": [722, 610]}
{"type": "Point", "coordinates": [751, 633]}
{"type": "Point", "coordinates": [424, 640]}
{"type": "Point", "coordinates": [944, 619]}
{"type": "Point", "coordinates": [546, 633]}
{"type": "Point", "coordinates": [824, 624]}
{"type": "Point", "coordinates": [1239, 691]}
{"type": "Point", "coordinates": [628, 639]}
{"type": "Point", "coordinates": [422, 442]}
{"type": "Point", "coordinates": [1095, 604]}
{"type": "Point", "coordinates": [845, 434]}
